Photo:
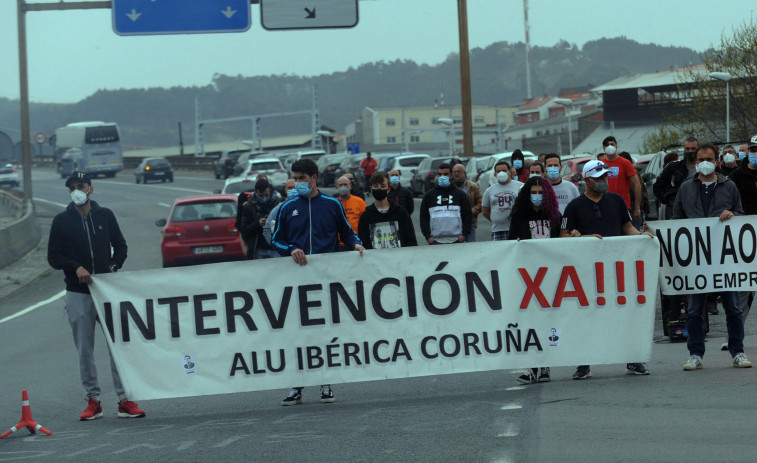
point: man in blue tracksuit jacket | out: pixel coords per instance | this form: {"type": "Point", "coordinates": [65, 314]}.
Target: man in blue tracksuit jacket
{"type": "Point", "coordinates": [311, 223]}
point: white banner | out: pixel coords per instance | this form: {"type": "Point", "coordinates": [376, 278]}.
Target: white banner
{"type": "Point", "coordinates": [395, 313]}
{"type": "Point", "coordinates": [707, 255]}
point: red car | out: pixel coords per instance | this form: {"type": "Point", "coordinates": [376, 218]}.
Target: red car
{"type": "Point", "coordinates": [200, 230]}
{"type": "Point", "coordinates": [572, 170]}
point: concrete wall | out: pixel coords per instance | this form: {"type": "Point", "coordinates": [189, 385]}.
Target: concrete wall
{"type": "Point", "coordinates": [19, 230]}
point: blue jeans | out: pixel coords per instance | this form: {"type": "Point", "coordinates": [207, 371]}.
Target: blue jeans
{"type": "Point", "coordinates": [733, 320]}
{"type": "Point", "coordinates": [267, 253]}
{"type": "Point", "coordinates": [471, 238]}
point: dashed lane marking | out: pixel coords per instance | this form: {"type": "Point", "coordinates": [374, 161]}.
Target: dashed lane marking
{"type": "Point", "coordinates": [33, 307]}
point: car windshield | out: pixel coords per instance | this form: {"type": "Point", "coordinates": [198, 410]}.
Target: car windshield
{"type": "Point", "coordinates": [268, 165]}
{"type": "Point", "coordinates": [410, 162]}
{"type": "Point", "coordinates": [437, 162]}
{"type": "Point", "coordinates": [192, 212]}
{"type": "Point", "coordinates": [238, 187]}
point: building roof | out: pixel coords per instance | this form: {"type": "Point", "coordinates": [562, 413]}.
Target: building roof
{"type": "Point", "coordinates": [630, 137]}
{"type": "Point", "coordinates": [652, 79]}
{"type": "Point", "coordinates": [535, 103]}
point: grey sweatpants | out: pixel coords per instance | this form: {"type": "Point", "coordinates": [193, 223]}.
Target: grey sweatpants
{"type": "Point", "coordinates": [82, 316]}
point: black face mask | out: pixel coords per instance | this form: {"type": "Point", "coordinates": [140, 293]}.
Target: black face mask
{"type": "Point", "coordinates": [460, 183]}
{"type": "Point", "coordinates": [379, 195]}
{"type": "Point", "coordinates": [690, 155]}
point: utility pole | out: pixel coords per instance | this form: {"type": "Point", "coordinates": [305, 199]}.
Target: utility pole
{"type": "Point", "coordinates": [465, 92]}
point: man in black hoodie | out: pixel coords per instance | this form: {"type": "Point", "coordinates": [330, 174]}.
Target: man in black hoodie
{"type": "Point", "coordinates": [446, 215]}
{"type": "Point", "coordinates": [81, 238]}
{"type": "Point", "coordinates": [384, 224]}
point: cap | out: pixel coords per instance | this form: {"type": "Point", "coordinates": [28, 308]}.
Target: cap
{"type": "Point", "coordinates": [595, 169]}
{"type": "Point", "coordinates": [753, 142]}
{"type": "Point", "coordinates": [78, 176]}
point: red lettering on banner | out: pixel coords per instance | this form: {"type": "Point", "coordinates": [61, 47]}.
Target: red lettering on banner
{"type": "Point", "coordinates": [569, 272]}
{"type": "Point", "coordinates": [532, 287]}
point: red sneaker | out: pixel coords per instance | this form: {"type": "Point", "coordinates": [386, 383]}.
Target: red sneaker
{"type": "Point", "coordinates": [93, 410]}
{"type": "Point", "coordinates": [129, 409]}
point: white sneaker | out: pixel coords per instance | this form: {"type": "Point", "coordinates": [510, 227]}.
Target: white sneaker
{"type": "Point", "coordinates": [740, 361]}
{"type": "Point", "coordinates": [695, 363]}
{"type": "Point", "coordinates": [724, 346]}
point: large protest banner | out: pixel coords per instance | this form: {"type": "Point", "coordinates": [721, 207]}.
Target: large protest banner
{"type": "Point", "coordinates": [707, 255]}
{"type": "Point", "coordinates": [246, 326]}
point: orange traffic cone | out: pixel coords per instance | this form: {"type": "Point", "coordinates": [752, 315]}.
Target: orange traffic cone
{"type": "Point", "coordinates": [26, 419]}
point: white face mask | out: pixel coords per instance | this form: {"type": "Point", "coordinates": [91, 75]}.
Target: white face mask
{"type": "Point", "coordinates": [705, 168]}
{"type": "Point", "coordinates": [79, 197]}
{"type": "Point", "coordinates": [502, 176]}
{"type": "Point", "coordinates": [729, 158]}
{"type": "Point", "coordinates": [610, 150]}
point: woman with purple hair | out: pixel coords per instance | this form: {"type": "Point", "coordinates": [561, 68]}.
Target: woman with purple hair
{"type": "Point", "coordinates": [535, 214]}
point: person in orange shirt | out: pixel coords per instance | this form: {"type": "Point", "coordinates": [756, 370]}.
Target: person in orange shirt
{"type": "Point", "coordinates": [369, 168]}
{"type": "Point", "coordinates": [353, 206]}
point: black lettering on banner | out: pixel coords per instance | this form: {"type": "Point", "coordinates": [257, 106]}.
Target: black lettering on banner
{"type": "Point", "coordinates": [108, 309]}
{"type": "Point", "coordinates": [730, 280]}
{"type": "Point", "coordinates": [376, 351]}
{"type": "Point", "coordinates": [357, 310]}
{"type": "Point", "coordinates": [315, 359]}
{"type": "Point", "coordinates": [269, 361]}
{"type": "Point", "coordinates": [201, 314]}
{"type": "Point", "coordinates": [493, 298]}
{"type": "Point", "coordinates": [743, 240]}
{"type": "Point", "coordinates": [700, 245]}
{"type": "Point", "coordinates": [666, 250]}
{"type": "Point", "coordinates": [455, 345]}
{"type": "Point", "coordinates": [306, 304]}
{"type": "Point", "coordinates": [510, 337]}
{"type": "Point", "coordinates": [376, 299]}
{"type": "Point", "coordinates": [470, 343]}
{"type": "Point", "coordinates": [300, 365]}
{"type": "Point", "coordinates": [717, 281]}
{"type": "Point", "coordinates": [242, 312]}
{"type": "Point", "coordinates": [412, 309]}
{"type": "Point", "coordinates": [728, 248]}
{"type": "Point", "coordinates": [496, 349]}
{"type": "Point", "coordinates": [424, 351]}
{"type": "Point", "coordinates": [332, 354]}
{"type": "Point", "coordinates": [428, 301]}
{"type": "Point", "coordinates": [532, 340]}
{"type": "Point", "coordinates": [351, 351]}
{"type": "Point", "coordinates": [400, 350]}
{"type": "Point", "coordinates": [276, 321]}
{"type": "Point", "coordinates": [127, 311]}
{"type": "Point", "coordinates": [173, 312]}
{"type": "Point", "coordinates": [239, 364]}
{"type": "Point", "coordinates": [683, 231]}
{"type": "Point", "coordinates": [703, 246]}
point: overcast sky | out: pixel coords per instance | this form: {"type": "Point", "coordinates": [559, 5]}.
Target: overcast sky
{"type": "Point", "coordinates": [72, 54]}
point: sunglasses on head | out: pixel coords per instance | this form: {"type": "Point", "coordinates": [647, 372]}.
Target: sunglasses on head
{"type": "Point", "coordinates": [597, 168]}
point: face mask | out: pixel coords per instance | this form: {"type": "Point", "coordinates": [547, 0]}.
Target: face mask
{"type": "Point", "coordinates": [518, 164]}
{"type": "Point", "coordinates": [742, 155]}
{"type": "Point", "coordinates": [729, 158]}
{"type": "Point", "coordinates": [262, 201]}
{"type": "Point", "coordinates": [610, 150]}
{"type": "Point", "coordinates": [394, 180]}
{"type": "Point", "coordinates": [536, 200]}
{"type": "Point", "coordinates": [553, 173]}
{"type": "Point", "coordinates": [600, 186]}
{"type": "Point", "coordinates": [690, 155]}
{"type": "Point", "coordinates": [79, 197]}
{"type": "Point", "coordinates": [292, 193]}
{"type": "Point", "coordinates": [379, 195]}
{"type": "Point", "coordinates": [753, 159]}
{"type": "Point", "coordinates": [459, 183]}
{"type": "Point", "coordinates": [503, 177]}
{"type": "Point", "coordinates": [443, 181]}
{"type": "Point", "coordinates": [303, 188]}
{"type": "Point", "coordinates": [343, 190]}
{"type": "Point", "coordinates": [705, 168]}
{"type": "Point", "coordinates": [534, 175]}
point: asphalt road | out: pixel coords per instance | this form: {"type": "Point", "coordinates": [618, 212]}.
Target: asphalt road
{"type": "Point", "coordinates": [670, 415]}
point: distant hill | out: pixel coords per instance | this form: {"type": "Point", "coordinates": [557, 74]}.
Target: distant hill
{"type": "Point", "coordinates": [150, 117]}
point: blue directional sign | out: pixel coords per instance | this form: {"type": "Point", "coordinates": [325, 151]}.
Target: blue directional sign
{"type": "Point", "coordinates": [155, 17]}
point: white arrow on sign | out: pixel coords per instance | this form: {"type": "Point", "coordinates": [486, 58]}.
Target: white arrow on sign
{"type": "Point", "coordinates": [228, 12]}
{"type": "Point", "coordinates": [133, 15]}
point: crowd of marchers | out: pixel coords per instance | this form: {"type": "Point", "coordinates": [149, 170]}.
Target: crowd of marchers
{"type": "Point", "coordinates": [524, 201]}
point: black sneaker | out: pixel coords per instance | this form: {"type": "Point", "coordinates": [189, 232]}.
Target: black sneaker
{"type": "Point", "coordinates": [294, 397]}
{"type": "Point", "coordinates": [544, 375]}
{"type": "Point", "coordinates": [327, 394]}
{"type": "Point", "coordinates": [636, 369]}
{"type": "Point", "coordinates": [528, 376]}
{"type": "Point", "coordinates": [582, 372]}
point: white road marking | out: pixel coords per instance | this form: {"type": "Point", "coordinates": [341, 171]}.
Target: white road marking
{"type": "Point", "coordinates": [165, 187]}
{"type": "Point", "coordinates": [511, 430]}
{"type": "Point", "coordinates": [33, 307]}
{"type": "Point", "coordinates": [515, 388]}
{"type": "Point", "coordinates": [512, 406]}
{"type": "Point", "coordinates": [164, 205]}
{"type": "Point", "coordinates": [50, 202]}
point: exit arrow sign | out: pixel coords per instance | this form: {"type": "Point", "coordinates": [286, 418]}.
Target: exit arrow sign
{"type": "Point", "coordinates": [308, 14]}
{"type": "Point", "coordinates": [154, 17]}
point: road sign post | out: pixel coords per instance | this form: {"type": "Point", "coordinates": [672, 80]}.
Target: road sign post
{"type": "Point", "coordinates": [150, 17]}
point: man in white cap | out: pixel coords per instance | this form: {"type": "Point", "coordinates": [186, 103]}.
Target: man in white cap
{"type": "Point", "coordinates": [597, 213]}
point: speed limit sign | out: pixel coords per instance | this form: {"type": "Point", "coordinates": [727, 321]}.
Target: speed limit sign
{"type": "Point", "coordinates": [40, 138]}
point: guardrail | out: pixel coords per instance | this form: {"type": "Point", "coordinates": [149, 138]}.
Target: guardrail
{"type": "Point", "coordinates": [20, 233]}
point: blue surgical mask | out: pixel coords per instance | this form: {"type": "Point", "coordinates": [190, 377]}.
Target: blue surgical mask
{"type": "Point", "coordinates": [443, 181]}
{"type": "Point", "coordinates": [553, 173]}
{"type": "Point", "coordinates": [753, 159]}
{"type": "Point", "coordinates": [394, 180]}
{"type": "Point", "coordinates": [292, 193]}
{"type": "Point", "coordinates": [742, 155]}
{"type": "Point", "coordinates": [518, 164]}
{"type": "Point", "coordinates": [303, 188]}
{"type": "Point", "coordinates": [536, 200]}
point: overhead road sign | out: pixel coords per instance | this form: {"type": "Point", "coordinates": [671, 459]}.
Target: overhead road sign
{"type": "Point", "coordinates": [308, 14]}
{"type": "Point", "coordinates": [156, 17]}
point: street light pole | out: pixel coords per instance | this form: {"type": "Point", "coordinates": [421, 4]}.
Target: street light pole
{"type": "Point", "coordinates": [566, 102]}
{"type": "Point", "coordinates": [726, 77]}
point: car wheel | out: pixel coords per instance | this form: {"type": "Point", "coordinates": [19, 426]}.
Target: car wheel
{"type": "Point", "coordinates": [136, 179]}
{"type": "Point", "coordinates": [170, 179]}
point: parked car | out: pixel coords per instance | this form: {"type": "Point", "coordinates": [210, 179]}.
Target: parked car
{"type": "Point", "coordinates": [244, 159]}
{"type": "Point", "coordinates": [272, 168]}
{"type": "Point", "coordinates": [9, 176]}
{"type": "Point", "coordinates": [236, 185]}
{"type": "Point", "coordinates": [327, 168]}
{"type": "Point", "coordinates": [223, 167]}
{"type": "Point", "coordinates": [487, 175]}
{"type": "Point", "coordinates": [650, 170]}
{"type": "Point", "coordinates": [407, 163]}
{"type": "Point", "coordinates": [153, 169]}
{"type": "Point", "coordinates": [475, 166]}
{"type": "Point", "coordinates": [200, 229]}
{"type": "Point", "coordinates": [572, 170]}
{"type": "Point", "coordinates": [351, 165]}
{"type": "Point", "coordinates": [425, 175]}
